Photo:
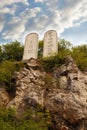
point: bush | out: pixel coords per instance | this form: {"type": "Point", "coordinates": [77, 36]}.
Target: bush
{"type": "Point", "coordinates": [64, 49]}
{"type": "Point", "coordinates": [79, 54]}
{"type": "Point", "coordinates": [7, 69]}
{"type": "Point", "coordinates": [12, 51]}
{"type": "Point", "coordinates": [9, 121]}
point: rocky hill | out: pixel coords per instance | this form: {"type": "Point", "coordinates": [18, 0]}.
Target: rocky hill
{"type": "Point", "coordinates": [63, 91]}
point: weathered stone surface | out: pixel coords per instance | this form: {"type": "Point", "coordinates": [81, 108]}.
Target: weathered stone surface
{"type": "Point", "coordinates": [4, 97]}
{"type": "Point", "coordinates": [65, 96]}
{"type": "Point", "coordinates": [29, 85]}
{"type": "Point", "coordinates": [31, 46]}
{"type": "Point", "coordinates": [69, 105]}
{"type": "Point", "coordinates": [50, 43]}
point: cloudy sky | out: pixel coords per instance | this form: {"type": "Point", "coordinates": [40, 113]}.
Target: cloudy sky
{"type": "Point", "coordinates": [20, 17]}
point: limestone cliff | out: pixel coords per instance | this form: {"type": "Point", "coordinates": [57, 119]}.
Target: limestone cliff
{"type": "Point", "coordinates": [63, 91]}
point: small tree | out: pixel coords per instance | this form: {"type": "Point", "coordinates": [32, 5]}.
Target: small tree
{"type": "Point", "coordinates": [64, 49]}
{"type": "Point", "coordinates": [13, 51]}
{"type": "Point", "coordinates": [7, 69]}
{"type": "Point", "coordinates": [79, 54]}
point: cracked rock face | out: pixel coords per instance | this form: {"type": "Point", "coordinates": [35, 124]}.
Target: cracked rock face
{"type": "Point", "coordinates": [4, 97]}
{"type": "Point", "coordinates": [65, 96]}
{"type": "Point", "coordinates": [29, 83]}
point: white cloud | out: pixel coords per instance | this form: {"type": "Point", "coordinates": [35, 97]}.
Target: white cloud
{"type": "Point", "coordinates": [30, 13]}
{"type": "Point", "coordinates": [4, 3]}
{"type": "Point", "coordinates": [39, 1]}
{"type": "Point", "coordinates": [73, 13]}
{"type": "Point", "coordinates": [2, 22]}
{"type": "Point", "coordinates": [47, 2]}
{"type": "Point", "coordinates": [1, 26]}
{"type": "Point", "coordinates": [17, 25]}
{"type": "Point", "coordinates": [4, 9]}
{"type": "Point", "coordinates": [11, 27]}
{"type": "Point", "coordinates": [7, 10]}
{"type": "Point", "coordinates": [41, 21]}
{"type": "Point", "coordinates": [15, 31]}
{"type": "Point", "coordinates": [52, 4]}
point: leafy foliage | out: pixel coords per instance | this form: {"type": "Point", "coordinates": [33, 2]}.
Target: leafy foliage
{"type": "Point", "coordinates": [1, 57]}
{"type": "Point", "coordinates": [12, 51]}
{"type": "Point", "coordinates": [56, 60]}
{"type": "Point", "coordinates": [64, 49]}
{"type": "Point", "coordinates": [40, 50]}
{"type": "Point", "coordinates": [11, 55]}
{"type": "Point", "coordinates": [32, 120]}
{"type": "Point", "coordinates": [79, 54]}
{"type": "Point", "coordinates": [7, 68]}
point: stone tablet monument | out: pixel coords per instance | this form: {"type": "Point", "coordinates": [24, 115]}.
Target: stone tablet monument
{"type": "Point", "coordinates": [31, 46]}
{"type": "Point", "coordinates": [50, 43]}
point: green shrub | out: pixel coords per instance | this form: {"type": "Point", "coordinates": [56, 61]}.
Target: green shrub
{"type": "Point", "coordinates": [7, 69]}
{"type": "Point", "coordinates": [79, 54]}
{"type": "Point", "coordinates": [64, 49]}
{"type": "Point", "coordinates": [12, 51]}
{"type": "Point", "coordinates": [48, 80]}
{"type": "Point", "coordinates": [9, 121]}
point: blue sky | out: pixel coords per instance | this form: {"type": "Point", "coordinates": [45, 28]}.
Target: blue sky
{"type": "Point", "coordinates": [20, 17]}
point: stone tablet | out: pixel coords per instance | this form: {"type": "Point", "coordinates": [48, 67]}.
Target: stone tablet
{"type": "Point", "coordinates": [31, 46]}
{"type": "Point", "coordinates": [50, 43]}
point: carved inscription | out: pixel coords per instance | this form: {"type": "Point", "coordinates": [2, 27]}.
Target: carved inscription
{"type": "Point", "coordinates": [50, 43]}
{"type": "Point", "coordinates": [31, 46]}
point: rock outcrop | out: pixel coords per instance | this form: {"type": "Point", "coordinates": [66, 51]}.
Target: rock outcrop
{"type": "Point", "coordinates": [4, 97]}
{"type": "Point", "coordinates": [63, 92]}
{"type": "Point", "coordinates": [29, 84]}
